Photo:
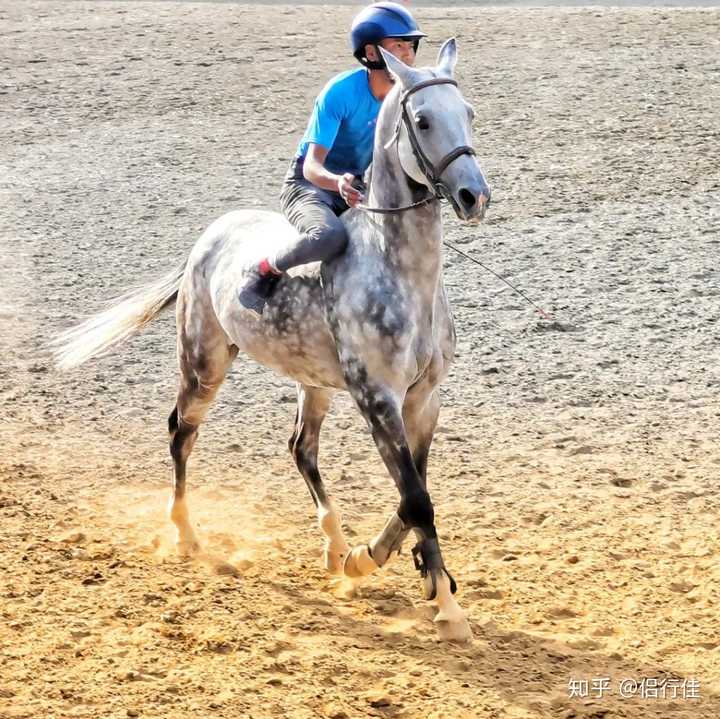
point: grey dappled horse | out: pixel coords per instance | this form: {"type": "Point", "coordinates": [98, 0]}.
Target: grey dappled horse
{"type": "Point", "coordinates": [375, 322]}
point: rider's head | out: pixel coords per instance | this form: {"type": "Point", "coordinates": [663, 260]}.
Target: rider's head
{"type": "Point", "coordinates": [387, 24]}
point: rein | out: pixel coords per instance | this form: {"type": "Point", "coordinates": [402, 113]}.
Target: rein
{"type": "Point", "coordinates": [390, 210]}
{"type": "Point", "coordinates": [431, 173]}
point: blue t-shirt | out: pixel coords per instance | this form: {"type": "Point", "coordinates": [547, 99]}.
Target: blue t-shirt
{"type": "Point", "coordinates": [343, 120]}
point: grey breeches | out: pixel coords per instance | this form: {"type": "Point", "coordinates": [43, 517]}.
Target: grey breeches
{"type": "Point", "coordinates": [315, 213]}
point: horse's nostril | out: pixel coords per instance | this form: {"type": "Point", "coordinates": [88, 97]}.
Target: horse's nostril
{"type": "Point", "coordinates": [467, 198]}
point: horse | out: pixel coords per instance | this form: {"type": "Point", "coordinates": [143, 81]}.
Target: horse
{"type": "Point", "coordinates": [374, 321]}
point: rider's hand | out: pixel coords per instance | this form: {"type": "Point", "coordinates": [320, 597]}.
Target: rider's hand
{"type": "Point", "coordinates": [350, 194]}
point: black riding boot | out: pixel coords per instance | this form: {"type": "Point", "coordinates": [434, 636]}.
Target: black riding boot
{"type": "Point", "coordinates": [258, 287]}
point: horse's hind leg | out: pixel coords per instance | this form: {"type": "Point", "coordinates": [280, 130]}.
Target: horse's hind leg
{"type": "Point", "coordinates": [313, 404]}
{"type": "Point", "coordinates": [204, 357]}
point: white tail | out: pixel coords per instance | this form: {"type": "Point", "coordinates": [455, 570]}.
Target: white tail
{"type": "Point", "coordinates": [125, 316]}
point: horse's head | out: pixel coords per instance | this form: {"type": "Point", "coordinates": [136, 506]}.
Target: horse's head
{"type": "Point", "coordinates": [434, 133]}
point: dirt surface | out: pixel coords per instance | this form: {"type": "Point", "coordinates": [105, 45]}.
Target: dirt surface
{"type": "Point", "coordinates": [575, 468]}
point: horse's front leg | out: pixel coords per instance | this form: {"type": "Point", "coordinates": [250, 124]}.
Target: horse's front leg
{"type": "Point", "coordinates": [383, 414]}
{"type": "Point", "coordinates": [420, 414]}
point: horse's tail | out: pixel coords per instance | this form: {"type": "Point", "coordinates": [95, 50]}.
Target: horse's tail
{"type": "Point", "coordinates": [124, 316]}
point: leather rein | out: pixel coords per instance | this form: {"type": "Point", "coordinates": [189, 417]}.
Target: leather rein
{"type": "Point", "coordinates": [431, 173]}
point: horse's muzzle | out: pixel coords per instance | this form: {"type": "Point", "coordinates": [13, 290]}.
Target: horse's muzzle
{"type": "Point", "coordinates": [472, 202]}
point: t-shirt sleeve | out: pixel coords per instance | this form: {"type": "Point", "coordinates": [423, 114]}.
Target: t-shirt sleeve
{"type": "Point", "coordinates": [327, 115]}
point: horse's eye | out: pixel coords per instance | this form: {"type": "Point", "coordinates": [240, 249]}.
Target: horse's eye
{"type": "Point", "coordinates": [422, 122]}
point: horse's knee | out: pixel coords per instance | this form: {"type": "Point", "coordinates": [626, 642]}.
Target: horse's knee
{"type": "Point", "coordinates": [416, 510]}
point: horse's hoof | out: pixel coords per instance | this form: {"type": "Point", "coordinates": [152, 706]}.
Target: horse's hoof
{"type": "Point", "coordinates": [455, 631]}
{"type": "Point", "coordinates": [334, 562]}
{"type": "Point", "coordinates": [359, 563]}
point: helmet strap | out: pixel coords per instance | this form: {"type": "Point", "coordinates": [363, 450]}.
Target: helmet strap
{"type": "Point", "coordinates": [378, 64]}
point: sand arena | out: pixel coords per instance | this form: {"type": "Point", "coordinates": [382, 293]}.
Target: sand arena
{"type": "Point", "coordinates": [574, 473]}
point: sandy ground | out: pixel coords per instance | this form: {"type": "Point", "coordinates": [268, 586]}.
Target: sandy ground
{"type": "Point", "coordinates": [575, 468]}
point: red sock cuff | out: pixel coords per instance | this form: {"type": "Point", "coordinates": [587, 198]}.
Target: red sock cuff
{"type": "Point", "coordinates": [266, 268]}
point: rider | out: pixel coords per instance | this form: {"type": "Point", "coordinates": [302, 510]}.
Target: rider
{"type": "Point", "coordinates": [325, 175]}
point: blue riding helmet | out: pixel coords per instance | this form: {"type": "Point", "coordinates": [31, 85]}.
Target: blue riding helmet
{"type": "Point", "coordinates": [377, 22]}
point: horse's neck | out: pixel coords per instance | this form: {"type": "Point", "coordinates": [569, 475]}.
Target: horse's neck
{"type": "Point", "coordinates": [410, 240]}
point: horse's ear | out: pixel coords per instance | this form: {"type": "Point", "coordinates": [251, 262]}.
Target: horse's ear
{"type": "Point", "coordinates": [397, 68]}
{"type": "Point", "coordinates": [447, 58]}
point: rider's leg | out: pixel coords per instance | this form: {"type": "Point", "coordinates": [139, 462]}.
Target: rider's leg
{"type": "Point", "coordinates": [315, 214]}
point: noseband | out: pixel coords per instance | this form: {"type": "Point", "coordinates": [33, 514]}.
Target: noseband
{"type": "Point", "coordinates": [431, 173]}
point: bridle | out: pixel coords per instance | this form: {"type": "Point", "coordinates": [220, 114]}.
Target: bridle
{"type": "Point", "coordinates": [431, 173]}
